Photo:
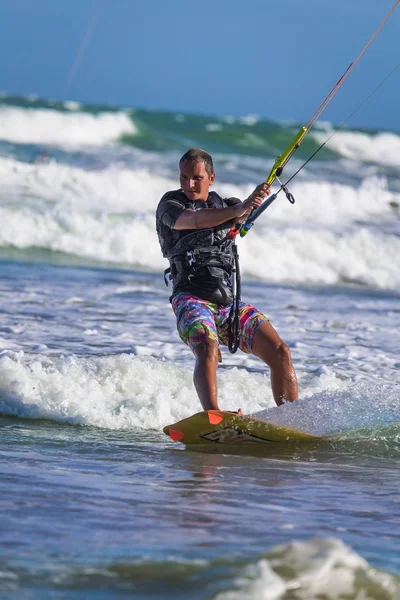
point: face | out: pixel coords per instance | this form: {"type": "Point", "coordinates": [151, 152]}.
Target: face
{"type": "Point", "coordinates": [195, 181]}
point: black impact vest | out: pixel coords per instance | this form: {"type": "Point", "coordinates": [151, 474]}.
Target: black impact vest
{"type": "Point", "coordinates": [201, 260]}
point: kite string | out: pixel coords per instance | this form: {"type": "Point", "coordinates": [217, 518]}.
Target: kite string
{"type": "Point", "coordinates": [82, 48]}
{"type": "Point", "coordinates": [75, 67]}
{"type": "Point", "coordinates": [346, 74]}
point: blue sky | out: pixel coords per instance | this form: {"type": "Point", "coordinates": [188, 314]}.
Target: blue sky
{"type": "Point", "coordinates": [274, 58]}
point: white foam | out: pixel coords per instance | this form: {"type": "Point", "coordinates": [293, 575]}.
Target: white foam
{"type": "Point", "coordinates": [258, 582]}
{"type": "Point", "coordinates": [116, 392]}
{"type": "Point", "coordinates": [214, 127]}
{"type": "Point", "coordinates": [117, 188]}
{"type": "Point", "coordinates": [312, 569]}
{"type": "Point", "coordinates": [72, 105]}
{"type": "Point", "coordinates": [73, 128]}
{"type": "Point", "coordinates": [249, 120]}
{"type": "Point", "coordinates": [127, 391]}
{"type": "Point", "coordinates": [330, 405]}
{"type": "Point", "coordinates": [329, 236]}
{"type": "Point", "coordinates": [304, 255]}
{"type": "Point", "coordinates": [331, 203]}
{"type": "Point", "coordinates": [381, 148]}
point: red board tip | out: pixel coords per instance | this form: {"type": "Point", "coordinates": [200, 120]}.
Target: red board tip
{"type": "Point", "coordinates": [214, 416]}
{"type": "Point", "coordinates": [175, 435]}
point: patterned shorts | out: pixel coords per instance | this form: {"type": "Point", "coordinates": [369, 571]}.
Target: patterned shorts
{"type": "Point", "coordinates": [198, 320]}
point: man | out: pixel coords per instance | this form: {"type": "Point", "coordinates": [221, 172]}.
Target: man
{"type": "Point", "coordinates": [192, 225]}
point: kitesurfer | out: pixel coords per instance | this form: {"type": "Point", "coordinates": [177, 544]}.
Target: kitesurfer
{"type": "Point", "coordinates": [192, 226]}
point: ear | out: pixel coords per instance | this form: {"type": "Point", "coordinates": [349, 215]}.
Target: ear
{"type": "Point", "coordinates": [212, 178]}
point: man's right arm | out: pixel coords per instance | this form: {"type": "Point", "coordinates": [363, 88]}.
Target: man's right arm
{"type": "Point", "coordinates": [211, 217]}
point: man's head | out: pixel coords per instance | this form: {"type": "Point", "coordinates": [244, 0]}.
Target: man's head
{"type": "Point", "coordinates": [196, 174]}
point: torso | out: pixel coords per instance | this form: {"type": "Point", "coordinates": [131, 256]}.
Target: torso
{"type": "Point", "coordinates": [211, 282]}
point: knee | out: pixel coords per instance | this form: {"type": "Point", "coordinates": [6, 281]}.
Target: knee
{"type": "Point", "coordinates": [202, 341]}
{"type": "Point", "coordinates": [207, 350]}
{"type": "Point", "coordinates": [282, 354]}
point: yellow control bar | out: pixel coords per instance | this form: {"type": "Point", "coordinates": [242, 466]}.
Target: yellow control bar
{"type": "Point", "coordinates": [282, 158]}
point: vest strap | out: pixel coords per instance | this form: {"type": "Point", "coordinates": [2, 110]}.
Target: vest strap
{"type": "Point", "coordinates": [165, 275]}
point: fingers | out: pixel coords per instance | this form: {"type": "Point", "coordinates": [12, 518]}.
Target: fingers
{"type": "Point", "coordinates": [253, 201]}
{"type": "Point", "coordinates": [263, 190]}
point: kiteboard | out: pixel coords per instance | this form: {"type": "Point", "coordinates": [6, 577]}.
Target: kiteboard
{"type": "Point", "coordinates": [219, 427]}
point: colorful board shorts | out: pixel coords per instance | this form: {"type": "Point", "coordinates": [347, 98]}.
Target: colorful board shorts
{"type": "Point", "coordinates": [199, 320]}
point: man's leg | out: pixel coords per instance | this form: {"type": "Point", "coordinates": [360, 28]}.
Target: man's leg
{"type": "Point", "coordinates": [205, 373]}
{"type": "Point", "coordinates": [196, 327]}
{"type": "Point", "coordinates": [268, 346]}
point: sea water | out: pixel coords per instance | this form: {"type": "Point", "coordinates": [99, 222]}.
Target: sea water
{"type": "Point", "coordinates": [97, 501]}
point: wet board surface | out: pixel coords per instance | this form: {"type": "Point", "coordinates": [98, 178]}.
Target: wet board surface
{"type": "Point", "coordinates": [219, 427]}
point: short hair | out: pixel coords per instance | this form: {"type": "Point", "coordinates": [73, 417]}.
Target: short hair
{"type": "Point", "coordinates": [198, 155]}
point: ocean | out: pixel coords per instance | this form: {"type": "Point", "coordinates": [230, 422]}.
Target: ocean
{"type": "Point", "coordinates": [97, 502]}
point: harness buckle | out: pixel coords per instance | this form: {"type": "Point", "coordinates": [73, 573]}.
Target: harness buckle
{"type": "Point", "coordinates": [191, 257]}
